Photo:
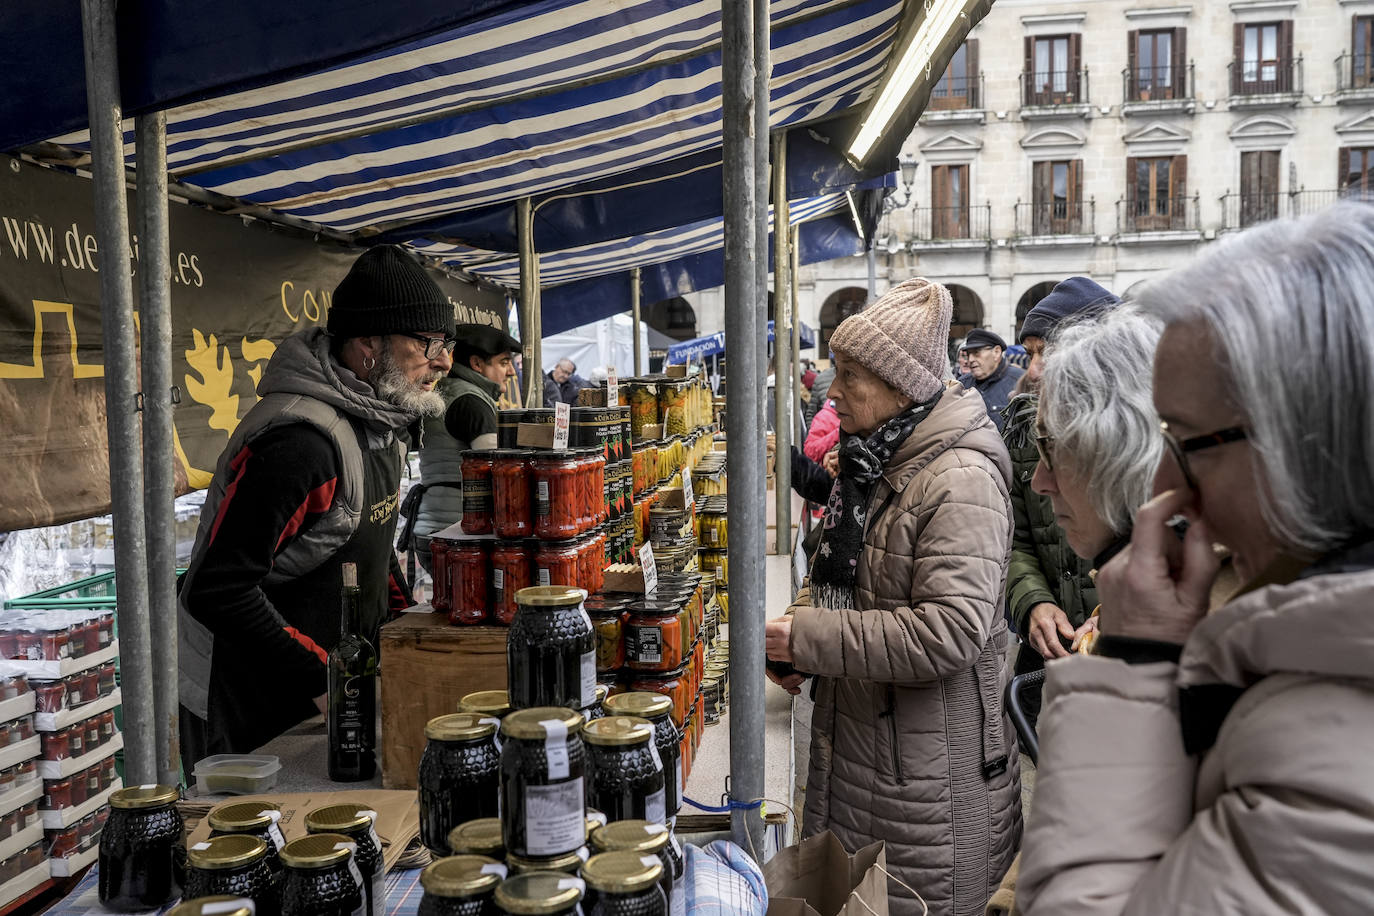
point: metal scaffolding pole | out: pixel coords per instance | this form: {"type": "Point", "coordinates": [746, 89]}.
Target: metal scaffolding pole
{"type": "Point", "coordinates": [159, 463]}
{"type": "Point", "coordinates": [121, 386]}
{"type": "Point", "coordinates": [785, 377]}
{"type": "Point", "coordinates": [634, 325]}
{"type": "Point", "coordinates": [793, 246]}
{"type": "Point", "coordinates": [531, 318]}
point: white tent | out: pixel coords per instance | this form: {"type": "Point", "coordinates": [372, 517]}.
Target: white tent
{"type": "Point", "coordinates": [608, 342]}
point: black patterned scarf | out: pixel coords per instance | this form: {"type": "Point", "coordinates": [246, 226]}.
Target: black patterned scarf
{"type": "Point", "coordinates": [846, 515]}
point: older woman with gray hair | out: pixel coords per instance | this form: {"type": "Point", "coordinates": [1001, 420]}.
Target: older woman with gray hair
{"type": "Point", "coordinates": [1220, 763]}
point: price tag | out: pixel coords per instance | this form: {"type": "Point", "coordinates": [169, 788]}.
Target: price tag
{"type": "Point", "coordinates": [612, 388]}
{"type": "Point", "coordinates": [561, 424]}
{"type": "Point", "coordinates": [688, 497]}
{"type": "Point", "coordinates": [646, 561]}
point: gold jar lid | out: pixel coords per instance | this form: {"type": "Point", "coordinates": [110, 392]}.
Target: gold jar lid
{"type": "Point", "coordinates": [486, 702]}
{"type": "Point", "coordinates": [318, 850]}
{"type": "Point", "coordinates": [538, 893]}
{"type": "Point", "coordinates": [622, 872]}
{"type": "Point", "coordinates": [638, 703]}
{"type": "Point", "coordinates": [150, 796]}
{"type": "Point", "coordinates": [478, 837]}
{"type": "Point", "coordinates": [243, 816]}
{"type": "Point", "coordinates": [462, 876]}
{"type": "Point", "coordinates": [618, 731]}
{"type": "Point", "coordinates": [339, 818]}
{"type": "Point", "coordinates": [459, 726]}
{"type": "Point", "coordinates": [528, 724]}
{"type": "Point", "coordinates": [214, 906]}
{"type": "Point", "coordinates": [568, 862]}
{"type": "Point", "coordinates": [549, 596]}
{"type": "Point", "coordinates": [630, 836]}
{"type": "Point", "coordinates": [221, 852]}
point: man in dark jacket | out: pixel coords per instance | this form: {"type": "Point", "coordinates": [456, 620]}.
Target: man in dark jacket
{"type": "Point", "coordinates": [562, 383]}
{"type": "Point", "coordinates": [989, 371]}
{"type": "Point", "coordinates": [308, 482]}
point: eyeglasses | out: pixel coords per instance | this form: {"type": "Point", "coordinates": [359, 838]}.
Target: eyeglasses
{"type": "Point", "coordinates": [433, 345]}
{"type": "Point", "coordinates": [1044, 445]}
{"type": "Point", "coordinates": [1181, 448]}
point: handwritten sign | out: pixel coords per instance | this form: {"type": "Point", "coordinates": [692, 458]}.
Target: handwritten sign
{"type": "Point", "coordinates": [646, 561]}
{"type": "Point", "coordinates": [561, 424]}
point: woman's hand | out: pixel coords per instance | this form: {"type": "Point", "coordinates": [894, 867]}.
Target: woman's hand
{"type": "Point", "coordinates": [1159, 587]}
{"type": "Point", "coordinates": [831, 462]}
{"type": "Point", "coordinates": [1047, 623]}
{"type": "Point", "coordinates": [777, 639]}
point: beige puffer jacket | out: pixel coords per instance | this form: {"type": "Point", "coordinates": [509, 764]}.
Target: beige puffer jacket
{"type": "Point", "coordinates": [1277, 817]}
{"type": "Point", "coordinates": [908, 706]}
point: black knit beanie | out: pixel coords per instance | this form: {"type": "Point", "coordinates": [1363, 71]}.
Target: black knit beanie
{"type": "Point", "coordinates": [387, 291]}
{"type": "Point", "coordinates": [1074, 297]}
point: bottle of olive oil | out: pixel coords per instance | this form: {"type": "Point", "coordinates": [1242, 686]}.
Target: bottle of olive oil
{"type": "Point", "coordinates": [352, 692]}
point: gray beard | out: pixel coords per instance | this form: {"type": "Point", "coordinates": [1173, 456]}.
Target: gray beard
{"type": "Point", "coordinates": [394, 388]}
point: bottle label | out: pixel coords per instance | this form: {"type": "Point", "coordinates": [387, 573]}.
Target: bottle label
{"type": "Point", "coordinates": [588, 679]}
{"type": "Point", "coordinates": [655, 808]}
{"type": "Point", "coordinates": [644, 644]}
{"type": "Point", "coordinates": [554, 819]}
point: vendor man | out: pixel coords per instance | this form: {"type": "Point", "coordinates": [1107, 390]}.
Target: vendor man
{"type": "Point", "coordinates": [989, 371]}
{"type": "Point", "coordinates": [308, 482]}
{"type": "Point", "coordinates": [482, 362]}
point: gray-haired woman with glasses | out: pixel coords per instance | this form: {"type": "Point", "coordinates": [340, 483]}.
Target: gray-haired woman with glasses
{"type": "Point", "coordinates": [1221, 763]}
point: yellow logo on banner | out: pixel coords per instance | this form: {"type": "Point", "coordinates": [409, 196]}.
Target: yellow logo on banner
{"type": "Point", "coordinates": [214, 388]}
{"type": "Point", "coordinates": [34, 369]}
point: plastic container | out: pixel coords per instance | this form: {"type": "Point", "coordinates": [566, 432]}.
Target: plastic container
{"type": "Point", "coordinates": [236, 774]}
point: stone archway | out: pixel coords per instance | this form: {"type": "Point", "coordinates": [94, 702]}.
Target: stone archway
{"type": "Point", "coordinates": [1029, 299]}
{"type": "Point", "coordinates": [838, 306]}
{"type": "Point", "coordinates": [967, 315]}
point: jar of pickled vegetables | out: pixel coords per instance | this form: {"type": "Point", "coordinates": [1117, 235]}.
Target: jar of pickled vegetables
{"type": "Point", "coordinates": [512, 493]}
{"type": "Point", "coordinates": [468, 582]}
{"type": "Point", "coordinates": [512, 568]}
{"type": "Point", "coordinates": [653, 637]}
{"type": "Point", "coordinates": [557, 563]}
{"type": "Point", "coordinates": [556, 491]}
{"type": "Point", "coordinates": [477, 505]}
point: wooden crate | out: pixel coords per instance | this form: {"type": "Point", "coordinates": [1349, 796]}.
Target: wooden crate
{"type": "Point", "coordinates": [427, 667]}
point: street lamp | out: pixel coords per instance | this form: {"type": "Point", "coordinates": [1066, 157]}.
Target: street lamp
{"type": "Point", "coordinates": [907, 165]}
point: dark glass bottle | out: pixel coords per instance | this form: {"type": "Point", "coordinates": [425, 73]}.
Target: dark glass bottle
{"type": "Point", "coordinates": [460, 774]}
{"type": "Point", "coordinates": [142, 850]}
{"type": "Point", "coordinates": [235, 866]}
{"type": "Point", "coordinates": [460, 886]}
{"type": "Point", "coordinates": [320, 877]}
{"type": "Point", "coordinates": [622, 884]}
{"type": "Point", "coordinates": [352, 692]}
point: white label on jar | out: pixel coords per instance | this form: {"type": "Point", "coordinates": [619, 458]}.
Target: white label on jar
{"type": "Point", "coordinates": [496, 736]}
{"type": "Point", "coordinates": [105, 637]}
{"type": "Point", "coordinates": [649, 861]}
{"type": "Point", "coordinates": [224, 906]}
{"type": "Point", "coordinates": [494, 868]}
{"type": "Point", "coordinates": [655, 809]}
{"type": "Point", "coordinates": [200, 846]}
{"type": "Point", "coordinates": [556, 747]}
{"type": "Point", "coordinates": [565, 883]}
{"type": "Point", "coordinates": [544, 576]}
{"type": "Point", "coordinates": [554, 819]}
{"type": "Point", "coordinates": [644, 644]}
{"type": "Point", "coordinates": [655, 829]}
{"type": "Point", "coordinates": [677, 785]}
{"type": "Point", "coordinates": [588, 679]}
{"type": "Point", "coordinates": [498, 579]}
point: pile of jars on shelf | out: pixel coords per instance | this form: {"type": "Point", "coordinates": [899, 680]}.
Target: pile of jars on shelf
{"type": "Point", "coordinates": [52, 634]}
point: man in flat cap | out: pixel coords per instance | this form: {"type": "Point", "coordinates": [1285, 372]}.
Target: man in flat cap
{"type": "Point", "coordinates": [308, 482]}
{"type": "Point", "coordinates": [989, 371]}
{"type": "Point", "coordinates": [482, 362]}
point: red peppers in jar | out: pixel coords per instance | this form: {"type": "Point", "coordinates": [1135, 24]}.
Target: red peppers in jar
{"type": "Point", "coordinates": [469, 599]}
{"type": "Point", "coordinates": [477, 492]}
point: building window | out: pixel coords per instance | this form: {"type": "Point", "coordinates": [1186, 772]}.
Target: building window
{"type": "Point", "coordinates": [949, 197]}
{"type": "Point", "coordinates": [1156, 193]}
{"type": "Point", "coordinates": [1156, 65]}
{"type": "Point", "coordinates": [1057, 197]}
{"type": "Point", "coordinates": [1259, 186]}
{"type": "Point", "coordinates": [958, 88]}
{"type": "Point", "coordinates": [1263, 58]}
{"type": "Point", "coordinates": [1362, 52]}
{"type": "Point", "coordinates": [1051, 75]}
{"type": "Point", "coordinates": [1353, 168]}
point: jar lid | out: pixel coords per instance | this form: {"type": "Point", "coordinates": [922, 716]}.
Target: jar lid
{"type": "Point", "coordinates": [481, 836]}
{"type": "Point", "coordinates": [568, 862]}
{"type": "Point", "coordinates": [477, 453]}
{"type": "Point", "coordinates": [539, 892]}
{"type": "Point", "coordinates": [618, 731]}
{"type": "Point", "coordinates": [319, 850]}
{"type": "Point", "coordinates": [486, 702]}
{"type": "Point", "coordinates": [528, 724]}
{"type": "Point", "coordinates": [622, 872]}
{"type": "Point", "coordinates": [221, 852]}
{"type": "Point", "coordinates": [638, 703]}
{"type": "Point", "coordinates": [149, 796]}
{"type": "Point", "coordinates": [339, 818]}
{"type": "Point", "coordinates": [214, 906]}
{"type": "Point", "coordinates": [462, 876]}
{"type": "Point", "coordinates": [242, 816]}
{"type": "Point", "coordinates": [459, 726]}
{"type": "Point", "coordinates": [549, 596]}
{"type": "Point", "coordinates": [631, 836]}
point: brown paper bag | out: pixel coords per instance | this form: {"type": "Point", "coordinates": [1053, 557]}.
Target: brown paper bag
{"type": "Point", "coordinates": [818, 878]}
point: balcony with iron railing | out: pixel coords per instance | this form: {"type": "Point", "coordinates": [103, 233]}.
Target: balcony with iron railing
{"type": "Point", "coordinates": [1242, 210]}
{"type": "Point", "coordinates": [1354, 78]}
{"type": "Point", "coordinates": [1058, 222]}
{"type": "Point", "coordinates": [1157, 90]}
{"type": "Point", "coordinates": [1265, 84]}
{"type": "Point", "coordinates": [1159, 219]}
{"type": "Point", "coordinates": [958, 98]}
{"type": "Point", "coordinates": [951, 227]}
{"type": "Point", "coordinates": [1054, 93]}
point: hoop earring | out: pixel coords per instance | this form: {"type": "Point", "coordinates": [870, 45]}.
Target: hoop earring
{"type": "Point", "coordinates": [369, 363]}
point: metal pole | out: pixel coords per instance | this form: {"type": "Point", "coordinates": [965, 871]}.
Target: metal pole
{"type": "Point", "coordinates": [793, 248]}
{"type": "Point", "coordinates": [159, 469]}
{"type": "Point", "coordinates": [530, 315]}
{"type": "Point", "coordinates": [634, 313]}
{"type": "Point", "coordinates": [121, 386]}
{"type": "Point", "coordinates": [745, 455]}
{"type": "Point", "coordinates": [785, 376]}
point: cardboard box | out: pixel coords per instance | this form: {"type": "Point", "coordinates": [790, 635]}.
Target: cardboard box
{"type": "Point", "coordinates": [534, 435]}
{"type": "Point", "coordinates": [679, 371]}
{"type": "Point", "coordinates": [427, 667]}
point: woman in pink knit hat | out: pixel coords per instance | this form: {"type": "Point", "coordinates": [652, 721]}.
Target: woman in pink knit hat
{"type": "Point", "coordinates": [902, 624]}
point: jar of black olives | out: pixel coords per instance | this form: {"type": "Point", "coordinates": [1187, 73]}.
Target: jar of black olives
{"type": "Point", "coordinates": [356, 823]}
{"type": "Point", "coordinates": [320, 877]}
{"type": "Point", "coordinates": [460, 772]}
{"type": "Point", "coordinates": [570, 863]}
{"type": "Point", "coordinates": [460, 886]}
{"type": "Point", "coordinates": [481, 837]}
{"type": "Point", "coordinates": [624, 772]}
{"type": "Point", "coordinates": [551, 649]}
{"type": "Point", "coordinates": [542, 789]}
{"type": "Point", "coordinates": [142, 850]}
{"type": "Point", "coordinates": [234, 865]}
{"type": "Point", "coordinates": [623, 884]}
{"type": "Point", "coordinates": [214, 906]}
{"type": "Point", "coordinates": [494, 703]}
{"type": "Point", "coordinates": [658, 709]}
{"type": "Point", "coordinates": [540, 893]}
{"type": "Point", "coordinates": [645, 839]}
{"type": "Point", "coordinates": [259, 819]}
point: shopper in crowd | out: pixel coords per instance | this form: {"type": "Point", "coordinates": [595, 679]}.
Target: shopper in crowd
{"type": "Point", "coordinates": [808, 379]}
{"type": "Point", "coordinates": [562, 383]}
{"type": "Point", "coordinates": [1050, 592]}
{"type": "Point", "coordinates": [482, 362]}
{"type": "Point", "coordinates": [902, 621]}
{"type": "Point", "coordinates": [989, 371]}
{"type": "Point", "coordinates": [818, 390]}
{"type": "Point", "coordinates": [1211, 763]}
{"type": "Point", "coordinates": [308, 482]}
{"type": "Point", "coordinates": [1017, 356]}
{"type": "Point", "coordinates": [824, 433]}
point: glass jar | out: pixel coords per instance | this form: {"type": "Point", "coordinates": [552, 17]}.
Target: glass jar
{"type": "Point", "coordinates": [213, 906]}
{"type": "Point", "coordinates": [107, 726]}
{"type": "Point", "coordinates": [64, 843]}
{"type": "Point", "coordinates": [460, 886]}
{"type": "Point", "coordinates": [540, 893]}
{"type": "Point", "coordinates": [320, 877]}
{"type": "Point", "coordinates": [556, 563]}
{"type": "Point", "coordinates": [438, 568]}
{"type": "Point", "coordinates": [556, 514]}
{"type": "Point", "coordinates": [713, 532]}
{"type": "Point", "coordinates": [670, 684]}
{"type": "Point", "coordinates": [551, 650]}
{"type": "Point", "coordinates": [57, 794]}
{"type": "Point", "coordinates": [106, 678]}
{"type": "Point", "coordinates": [481, 837]}
{"type": "Point", "coordinates": [658, 711]}
{"type": "Point", "coordinates": [142, 853]}
{"type": "Point", "coordinates": [90, 684]}
{"type": "Point", "coordinates": [608, 622]}
{"type": "Point", "coordinates": [512, 494]}
{"type": "Point", "coordinates": [107, 772]}
{"type": "Point", "coordinates": [653, 637]}
{"type": "Point", "coordinates": [468, 595]}
{"type": "Point", "coordinates": [582, 427]}
{"type": "Point", "coordinates": [233, 866]}
{"type": "Point", "coordinates": [625, 777]}
{"type": "Point", "coordinates": [255, 819]}
{"type": "Point", "coordinates": [355, 823]}
{"type": "Point", "coordinates": [569, 863]}
{"type": "Point", "coordinates": [106, 624]}
{"type": "Point", "coordinates": [595, 711]}
{"type": "Point", "coordinates": [494, 704]}
{"type": "Point", "coordinates": [460, 772]}
{"type": "Point", "coordinates": [90, 733]}
{"type": "Point", "coordinates": [643, 838]}
{"type": "Point", "coordinates": [623, 884]}
{"type": "Point", "coordinates": [542, 793]}
{"type": "Point", "coordinates": [477, 499]}
{"type": "Point", "coordinates": [512, 569]}
{"type": "Point", "coordinates": [49, 696]}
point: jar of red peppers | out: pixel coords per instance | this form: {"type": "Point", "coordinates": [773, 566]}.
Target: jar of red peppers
{"type": "Point", "coordinates": [477, 499]}
{"type": "Point", "coordinates": [105, 677]}
{"type": "Point", "coordinates": [90, 733]}
{"type": "Point", "coordinates": [653, 637]}
{"type": "Point", "coordinates": [469, 597]}
{"type": "Point", "coordinates": [512, 568]}
{"type": "Point", "coordinates": [51, 696]}
{"type": "Point", "coordinates": [107, 726]}
{"type": "Point", "coordinates": [105, 623]}
{"type": "Point", "coordinates": [90, 684]}
{"type": "Point", "coordinates": [557, 563]}
{"type": "Point", "coordinates": [438, 568]}
{"type": "Point", "coordinates": [556, 490]}
{"type": "Point", "coordinates": [512, 493]}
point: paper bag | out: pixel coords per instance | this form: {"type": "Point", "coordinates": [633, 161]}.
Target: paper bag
{"type": "Point", "coordinates": [818, 878]}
